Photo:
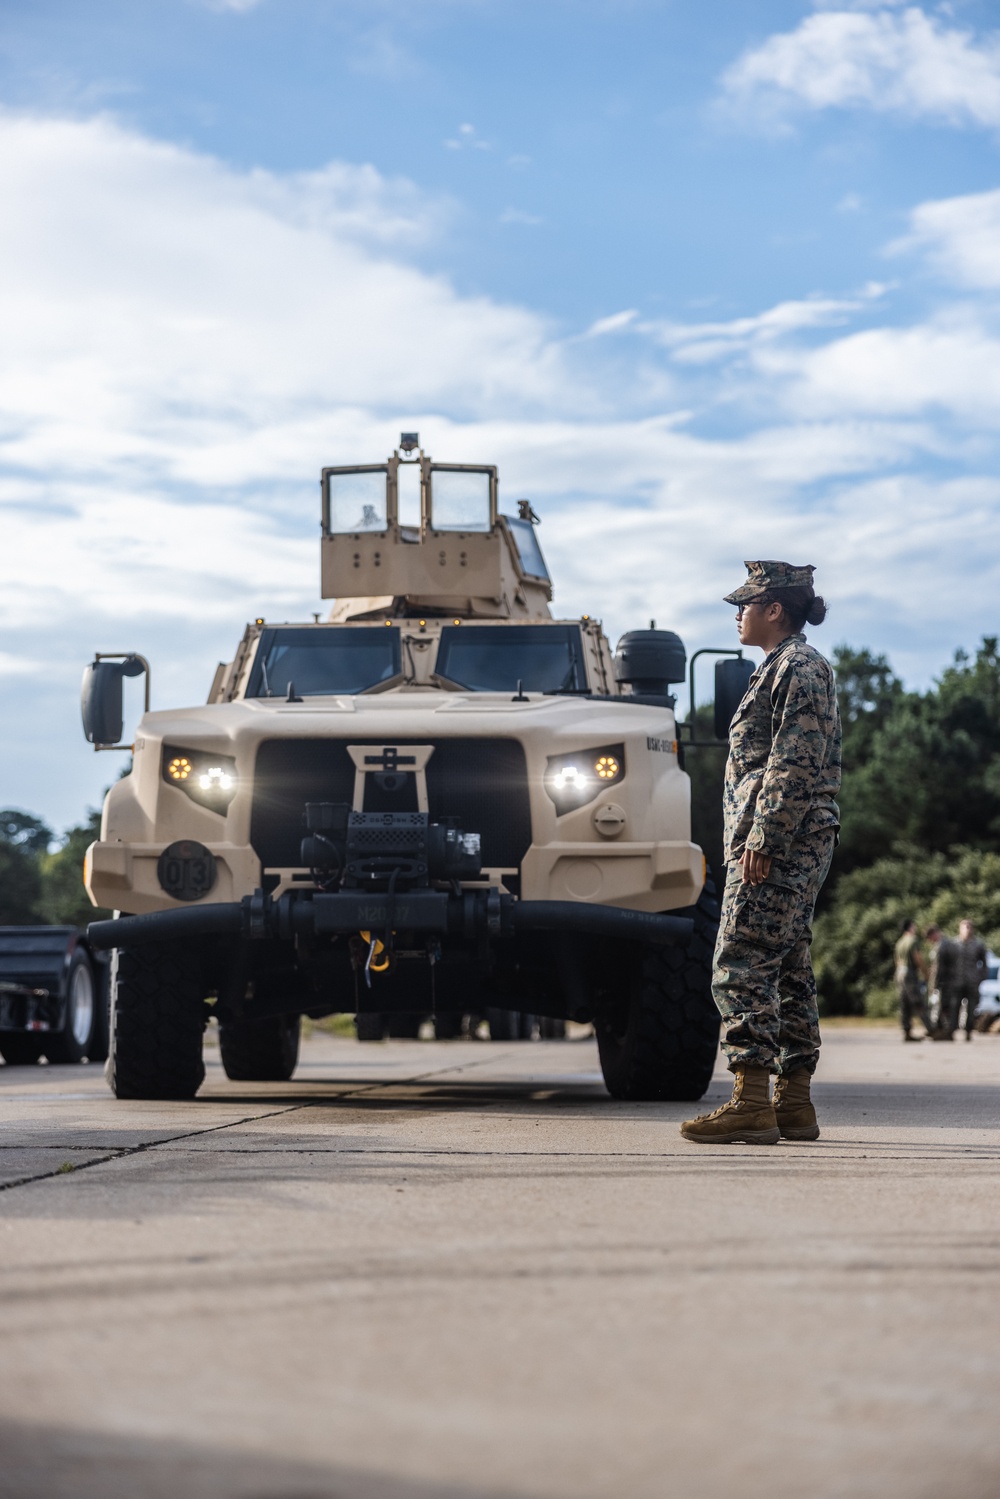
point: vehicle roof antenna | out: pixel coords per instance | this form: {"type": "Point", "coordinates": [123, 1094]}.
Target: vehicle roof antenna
{"type": "Point", "coordinates": [292, 696]}
{"type": "Point", "coordinates": [521, 697]}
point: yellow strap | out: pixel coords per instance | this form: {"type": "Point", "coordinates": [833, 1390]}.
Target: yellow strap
{"type": "Point", "coordinates": [375, 965]}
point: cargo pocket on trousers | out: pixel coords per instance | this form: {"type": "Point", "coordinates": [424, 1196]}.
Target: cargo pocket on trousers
{"type": "Point", "coordinates": [763, 915]}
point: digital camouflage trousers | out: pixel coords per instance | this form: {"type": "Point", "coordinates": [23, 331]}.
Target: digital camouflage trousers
{"type": "Point", "coordinates": [762, 978]}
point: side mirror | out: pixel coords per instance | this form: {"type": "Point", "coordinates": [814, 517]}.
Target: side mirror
{"type": "Point", "coordinates": [101, 698]}
{"type": "Point", "coordinates": [732, 677]}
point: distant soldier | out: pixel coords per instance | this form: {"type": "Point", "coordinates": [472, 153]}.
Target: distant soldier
{"type": "Point", "coordinates": [971, 972]}
{"type": "Point", "coordinates": [911, 974]}
{"type": "Point", "coordinates": [781, 820]}
{"type": "Point", "coordinates": [943, 977]}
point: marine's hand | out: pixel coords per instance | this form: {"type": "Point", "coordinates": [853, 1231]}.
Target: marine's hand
{"type": "Point", "coordinates": [756, 866]}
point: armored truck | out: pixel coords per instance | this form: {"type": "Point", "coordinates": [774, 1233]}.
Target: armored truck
{"type": "Point", "coordinates": [439, 799]}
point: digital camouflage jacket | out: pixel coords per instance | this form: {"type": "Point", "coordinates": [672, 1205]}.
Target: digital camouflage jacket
{"type": "Point", "coordinates": [783, 771]}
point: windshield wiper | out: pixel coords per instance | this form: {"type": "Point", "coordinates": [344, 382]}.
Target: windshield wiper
{"type": "Point", "coordinates": [571, 676]}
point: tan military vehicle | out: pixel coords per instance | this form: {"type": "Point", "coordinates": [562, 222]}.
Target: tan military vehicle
{"type": "Point", "coordinates": [439, 800]}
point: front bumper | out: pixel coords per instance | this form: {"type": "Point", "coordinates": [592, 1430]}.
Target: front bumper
{"type": "Point", "coordinates": [640, 876]}
{"type": "Point", "coordinates": [472, 915]}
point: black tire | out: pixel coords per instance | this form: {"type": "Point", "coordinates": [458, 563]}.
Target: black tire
{"type": "Point", "coordinates": [660, 1038]}
{"type": "Point", "coordinates": [21, 1049]}
{"type": "Point", "coordinates": [505, 1025]}
{"type": "Point", "coordinates": [157, 1020]}
{"type": "Point", "coordinates": [260, 1051]}
{"type": "Point", "coordinates": [100, 1041]}
{"type": "Point", "coordinates": [550, 1029]}
{"type": "Point", "coordinates": [526, 1026]}
{"type": "Point", "coordinates": [448, 1025]}
{"type": "Point", "coordinates": [370, 1025]}
{"type": "Point", "coordinates": [82, 1023]}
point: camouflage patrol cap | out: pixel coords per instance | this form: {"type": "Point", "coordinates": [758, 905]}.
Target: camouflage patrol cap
{"type": "Point", "coordinates": [762, 577]}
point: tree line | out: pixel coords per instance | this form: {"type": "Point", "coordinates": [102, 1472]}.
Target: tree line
{"type": "Point", "coordinates": [41, 877]}
{"type": "Point", "coordinates": [920, 807]}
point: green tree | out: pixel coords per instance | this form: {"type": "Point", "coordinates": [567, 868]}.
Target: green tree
{"type": "Point", "coordinates": [922, 768]}
{"type": "Point", "coordinates": [23, 837]}
{"type": "Point", "coordinates": [64, 901]}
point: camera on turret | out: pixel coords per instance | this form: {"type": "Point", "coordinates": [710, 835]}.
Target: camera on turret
{"type": "Point", "coordinates": [385, 850]}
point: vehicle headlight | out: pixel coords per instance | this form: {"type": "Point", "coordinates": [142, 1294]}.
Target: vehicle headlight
{"type": "Point", "coordinates": [206, 778]}
{"type": "Point", "coordinates": [574, 780]}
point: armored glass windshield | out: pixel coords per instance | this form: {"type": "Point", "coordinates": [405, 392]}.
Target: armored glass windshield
{"type": "Point", "coordinates": [357, 502]}
{"type": "Point", "coordinates": [494, 658]}
{"type": "Point", "coordinates": [527, 546]}
{"type": "Point", "coordinates": [324, 662]}
{"type": "Point", "coordinates": [460, 501]}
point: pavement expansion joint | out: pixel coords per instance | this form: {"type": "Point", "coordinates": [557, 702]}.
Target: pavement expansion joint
{"type": "Point", "coordinates": [291, 1107]}
{"type": "Point", "coordinates": [125, 1151]}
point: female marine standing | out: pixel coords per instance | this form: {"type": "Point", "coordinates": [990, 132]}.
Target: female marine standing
{"type": "Point", "coordinates": [781, 821]}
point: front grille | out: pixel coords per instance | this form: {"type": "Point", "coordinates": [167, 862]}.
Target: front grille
{"type": "Point", "coordinates": [480, 783]}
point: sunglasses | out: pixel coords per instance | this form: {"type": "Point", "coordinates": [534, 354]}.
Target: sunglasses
{"type": "Point", "coordinates": [749, 604]}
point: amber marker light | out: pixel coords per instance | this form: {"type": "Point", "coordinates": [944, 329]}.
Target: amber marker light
{"type": "Point", "coordinates": [179, 768]}
{"type": "Point", "coordinates": [607, 768]}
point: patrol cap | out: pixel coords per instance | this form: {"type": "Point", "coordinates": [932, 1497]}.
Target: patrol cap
{"type": "Point", "coordinates": [762, 577]}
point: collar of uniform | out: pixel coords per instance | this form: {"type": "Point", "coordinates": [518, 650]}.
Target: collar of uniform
{"type": "Point", "coordinates": [783, 645]}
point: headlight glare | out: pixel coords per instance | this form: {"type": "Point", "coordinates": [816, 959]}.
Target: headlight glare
{"type": "Point", "coordinates": [574, 780]}
{"type": "Point", "coordinates": [207, 778]}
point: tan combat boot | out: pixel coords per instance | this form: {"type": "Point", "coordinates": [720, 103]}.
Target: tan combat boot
{"type": "Point", "coordinates": [747, 1119]}
{"type": "Point", "coordinates": [793, 1107]}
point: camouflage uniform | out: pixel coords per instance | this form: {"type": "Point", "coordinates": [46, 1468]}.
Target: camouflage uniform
{"type": "Point", "coordinates": [909, 990]}
{"type": "Point", "coordinates": [782, 779]}
{"type": "Point", "coordinates": [971, 972]}
{"type": "Point", "coordinates": [944, 978]}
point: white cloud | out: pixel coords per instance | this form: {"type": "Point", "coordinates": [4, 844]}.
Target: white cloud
{"type": "Point", "coordinates": [909, 64]}
{"type": "Point", "coordinates": [17, 666]}
{"type": "Point", "coordinates": [612, 324]}
{"type": "Point", "coordinates": [185, 345]}
{"type": "Point", "coordinates": [519, 216]}
{"type": "Point", "coordinates": [962, 237]}
{"type": "Point", "coordinates": [701, 343]}
{"type": "Point", "coordinates": [951, 363]}
{"type": "Point", "coordinates": [238, 6]}
{"type": "Point", "coordinates": [467, 138]}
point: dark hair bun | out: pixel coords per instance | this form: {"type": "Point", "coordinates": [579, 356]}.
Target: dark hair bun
{"type": "Point", "coordinates": [816, 613]}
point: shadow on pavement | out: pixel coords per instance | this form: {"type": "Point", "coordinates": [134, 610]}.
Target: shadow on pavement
{"type": "Point", "coordinates": [47, 1462]}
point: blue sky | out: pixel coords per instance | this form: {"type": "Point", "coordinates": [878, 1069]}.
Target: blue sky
{"type": "Point", "coordinates": [706, 282]}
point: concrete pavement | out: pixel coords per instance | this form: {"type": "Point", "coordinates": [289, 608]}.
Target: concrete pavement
{"type": "Point", "coordinates": [460, 1269]}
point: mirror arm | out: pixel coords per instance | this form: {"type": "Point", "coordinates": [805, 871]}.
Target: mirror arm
{"type": "Point", "coordinates": [707, 650]}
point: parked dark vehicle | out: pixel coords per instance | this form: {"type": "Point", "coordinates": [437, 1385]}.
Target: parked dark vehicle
{"type": "Point", "coordinates": [53, 996]}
